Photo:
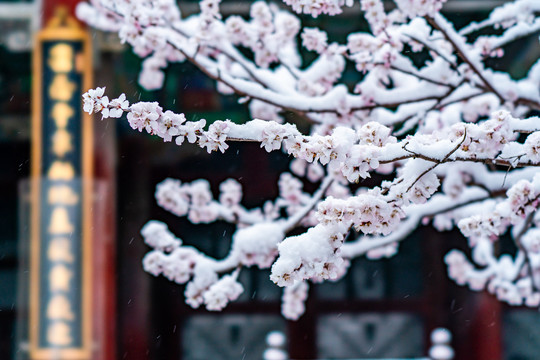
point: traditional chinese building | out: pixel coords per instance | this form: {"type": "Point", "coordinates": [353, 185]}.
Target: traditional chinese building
{"type": "Point", "coordinates": [75, 192]}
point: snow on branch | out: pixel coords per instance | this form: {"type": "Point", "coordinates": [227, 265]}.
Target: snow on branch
{"type": "Point", "coordinates": [454, 137]}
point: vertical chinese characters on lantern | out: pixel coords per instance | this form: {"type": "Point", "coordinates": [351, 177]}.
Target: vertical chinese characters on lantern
{"type": "Point", "coordinates": [62, 140]}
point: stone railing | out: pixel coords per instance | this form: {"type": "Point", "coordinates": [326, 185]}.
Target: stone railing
{"type": "Point", "coordinates": [440, 348]}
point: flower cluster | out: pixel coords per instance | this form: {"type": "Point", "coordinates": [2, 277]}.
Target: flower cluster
{"type": "Point", "coordinates": [459, 269]}
{"type": "Point", "coordinates": [291, 195]}
{"type": "Point", "coordinates": [314, 39]}
{"type": "Point", "coordinates": [369, 213]}
{"type": "Point", "coordinates": [532, 147]}
{"type": "Point", "coordinates": [293, 300]}
{"type": "Point", "coordinates": [145, 116]}
{"type": "Point", "coordinates": [169, 258]}
{"type": "Point", "coordinates": [421, 187]}
{"type": "Point", "coordinates": [522, 199]}
{"type": "Point", "coordinates": [221, 292]}
{"type": "Point", "coordinates": [215, 137]}
{"type": "Point", "coordinates": [95, 101]}
{"type": "Point", "coordinates": [268, 34]}
{"type": "Point", "coordinates": [143, 16]}
{"type": "Point", "coordinates": [203, 278]}
{"type": "Point", "coordinates": [157, 235]}
{"type": "Point", "coordinates": [230, 193]}
{"type": "Point", "coordinates": [314, 254]}
{"type": "Point", "coordinates": [375, 15]}
{"type": "Point", "coordinates": [375, 134]}
{"type": "Point", "coordinates": [502, 278]}
{"type": "Point", "coordinates": [272, 136]}
{"type": "Point", "coordinates": [414, 8]}
{"type": "Point", "coordinates": [151, 77]}
{"type": "Point", "coordinates": [257, 244]}
{"type": "Point", "coordinates": [513, 280]}
{"type": "Point", "coordinates": [315, 8]}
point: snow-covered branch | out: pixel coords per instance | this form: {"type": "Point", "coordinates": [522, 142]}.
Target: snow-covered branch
{"type": "Point", "coordinates": [456, 137]}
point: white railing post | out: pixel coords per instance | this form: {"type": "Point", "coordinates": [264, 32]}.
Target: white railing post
{"type": "Point", "coordinates": [275, 341]}
{"type": "Point", "coordinates": [440, 345]}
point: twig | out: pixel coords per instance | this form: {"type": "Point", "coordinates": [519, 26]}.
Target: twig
{"type": "Point", "coordinates": [517, 240]}
{"type": "Point", "coordinates": [439, 23]}
{"type": "Point", "coordinates": [443, 160]}
{"type": "Point", "coordinates": [294, 220]}
{"type": "Point", "coordinates": [431, 48]}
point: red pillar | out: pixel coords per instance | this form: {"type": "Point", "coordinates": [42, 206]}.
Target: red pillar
{"type": "Point", "coordinates": [49, 7]}
{"type": "Point", "coordinates": [486, 328]}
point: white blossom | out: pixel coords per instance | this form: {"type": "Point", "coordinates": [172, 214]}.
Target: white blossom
{"type": "Point", "coordinates": [293, 301]}
{"type": "Point", "coordinates": [221, 292]}
{"type": "Point", "coordinates": [314, 39]}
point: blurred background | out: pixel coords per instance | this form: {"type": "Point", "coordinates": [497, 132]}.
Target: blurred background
{"type": "Point", "coordinates": [380, 309]}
